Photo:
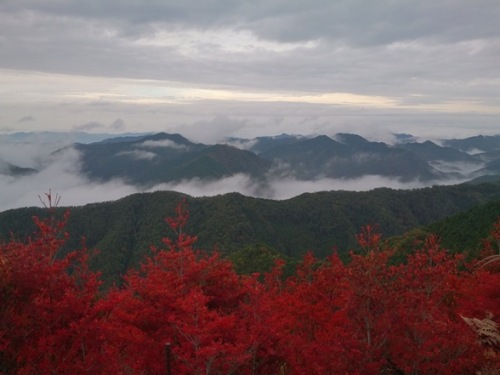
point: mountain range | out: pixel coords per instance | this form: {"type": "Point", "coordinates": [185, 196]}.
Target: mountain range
{"type": "Point", "coordinates": [163, 157]}
{"type": "Point", "coordinates": [149, 159]}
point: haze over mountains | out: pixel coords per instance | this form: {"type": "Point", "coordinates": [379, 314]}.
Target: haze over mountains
{"type": "Point", "coordinates": [85, 167]}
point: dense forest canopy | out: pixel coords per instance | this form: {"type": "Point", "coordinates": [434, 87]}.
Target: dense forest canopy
{"type": "Point", "coordinates": [233, 224]}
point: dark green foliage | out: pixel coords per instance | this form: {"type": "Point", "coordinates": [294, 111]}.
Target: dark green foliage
{"type": "Point", "coordinates": [259, 259]}
{"type": "Point", "coordinates": [492, 179]}
{"type": "Point", "coordinates": [464, 231]}
{"type": "Point", "coordinates": [123, 230]}
{"type": "Point", "coordinates": [18, 223]}
{"type": "Point", "coordinates": [459, 233]}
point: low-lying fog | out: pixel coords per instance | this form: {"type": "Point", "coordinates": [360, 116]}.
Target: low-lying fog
{"type": "Point", "coordinates": [60, 173]}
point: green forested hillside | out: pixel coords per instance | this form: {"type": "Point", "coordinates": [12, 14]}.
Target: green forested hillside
{"type": "Point", "coordinates": [464, 231]}
{"type": "Point", "coordinates": [123, 230]}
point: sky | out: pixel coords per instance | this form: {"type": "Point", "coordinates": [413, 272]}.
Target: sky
{"type": "Point", "coordinates": [209, 69]}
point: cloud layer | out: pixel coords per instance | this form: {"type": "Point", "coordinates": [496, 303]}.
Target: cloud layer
{"type": "Point", "coordinates": [60, 173]}
{"type": "Point", "coordinates": [413, 66]}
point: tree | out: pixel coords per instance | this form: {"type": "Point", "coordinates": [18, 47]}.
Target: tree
{"type": "Point", "coordinates": [427, 333]}
{"type": "Point", "coordinates": [48, 300]}
{"type": "Point", "coordinates": [186, 297]}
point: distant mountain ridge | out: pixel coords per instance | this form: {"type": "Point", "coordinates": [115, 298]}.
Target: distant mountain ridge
{"type": "Point", "coordinates": [430, 151]}
{"type": "Point", "coordinates": [8, 169]}
{"type": "Point", "coordinates": [165, 157]}
{"type": "Point", "coordinates": [482, 143]}
{"type": "Point", "coordinates": [162, 158]}
{"type": "Point", "coordinates": [264, 166]}
{"type": "Point", "coordinates": [65, 137]}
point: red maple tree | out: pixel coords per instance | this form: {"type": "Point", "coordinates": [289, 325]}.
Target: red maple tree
{"type": "Point", "coordinates": [47, 301]}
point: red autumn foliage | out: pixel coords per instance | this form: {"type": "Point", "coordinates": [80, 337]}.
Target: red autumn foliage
{"type": "Point", "coordinates": [366, 316]}
{"type": "Point", "coordinates": [47, 302]}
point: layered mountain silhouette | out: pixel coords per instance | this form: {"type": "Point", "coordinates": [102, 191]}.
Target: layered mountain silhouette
{"type": "Point", "coordinates": [349, 157]}
{"type": "Point", "coordinates": [162, 158]}
{"type": "Point", "coordinates": [12, 170]}
{"type": "Point", "coordinates": [430, 151]}
{"type": "Point", "coordinates": [481, 143]}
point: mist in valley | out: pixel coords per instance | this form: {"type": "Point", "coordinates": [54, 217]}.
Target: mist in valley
{"type": "Point", "coordinates": [57, 168]}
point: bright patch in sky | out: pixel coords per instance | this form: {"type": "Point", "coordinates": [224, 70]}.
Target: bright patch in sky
{"type": "Point", "coordinates": [195, 43]}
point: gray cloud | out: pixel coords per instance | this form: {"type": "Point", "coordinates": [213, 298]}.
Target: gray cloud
{"type": "Point", "coordinates": [60, 174]}
{"type": "Point", "coordinates": [89, 126]}
{"type": "Point", "coordinates": [30, 154]}
{"type": "Point", "coordinates": [215, 68]}
{"type": "Point", "coordinates": [362, 47]}
{"type": "Point", "coordinates": [359, 21]}
{"type": "Point", "coordinates": [283, 187]}
{"type": "Point", "coordinates": [26, 119]}
{"type": "Point", "coordinates": [214, 130]}
{"type": "Point", "coordinates": [470, 170]}
{"type": "Point", "coordinates": [244, 144]}
{"type": "Point", "coordinates": [138, 154]}
{"type": "Point", "coordinates": [116, 125]}
{"type": "Point", "coordinates": [166, 143]}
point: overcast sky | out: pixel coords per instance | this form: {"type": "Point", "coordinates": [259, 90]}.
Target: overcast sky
{"type": "Point", "coordinates": [213, 68]}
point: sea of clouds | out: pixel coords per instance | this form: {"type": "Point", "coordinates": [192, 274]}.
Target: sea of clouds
{"type": "Point", "coordinates": [60, 173]}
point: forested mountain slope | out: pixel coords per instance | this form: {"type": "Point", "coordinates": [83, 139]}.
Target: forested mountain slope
{"type": "Point", "coordinates": [156, 158]}
{"type": "Point", "coordinates": [123, 230]}
{"type": "Point", "coordinates": [465, 230]}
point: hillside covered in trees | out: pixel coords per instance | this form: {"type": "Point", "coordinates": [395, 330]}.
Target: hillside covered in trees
{"type": "Point", "coordinates": [241, 227]}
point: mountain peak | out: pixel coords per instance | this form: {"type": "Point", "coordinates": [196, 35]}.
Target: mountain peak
{"type": "Point", "coordinates": [350, 139]}
{"type": "Point", "coordinates": [175, 137]}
